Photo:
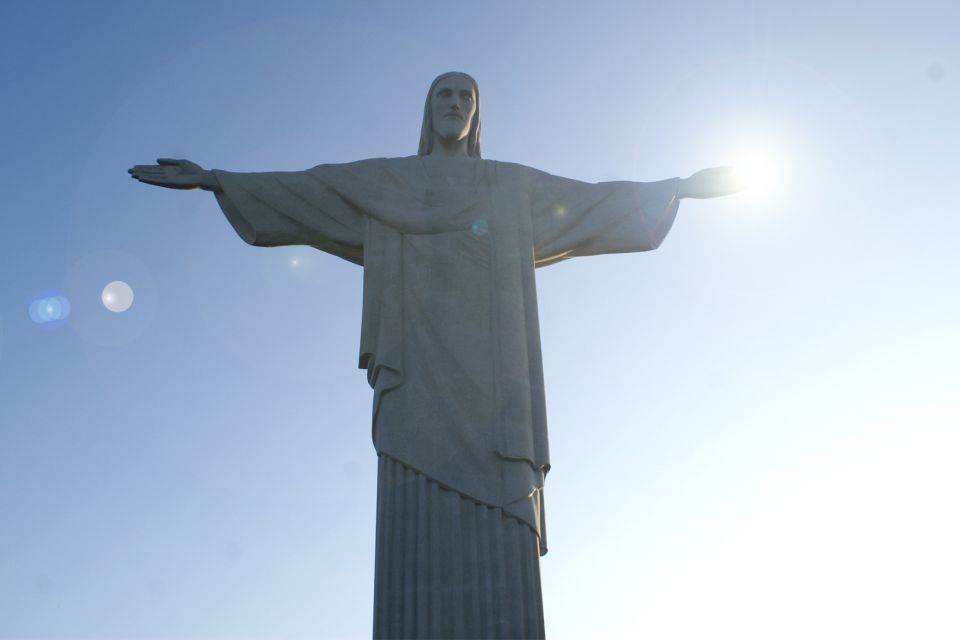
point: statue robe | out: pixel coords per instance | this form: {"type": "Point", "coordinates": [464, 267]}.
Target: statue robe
{"type": "Point", "coordinates": [450, 336]}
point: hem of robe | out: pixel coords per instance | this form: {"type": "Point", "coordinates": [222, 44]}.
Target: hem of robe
{"type": "Point", "coordinates": [448, 566]}
{"type": "Point", "coordinates": [528, 510]}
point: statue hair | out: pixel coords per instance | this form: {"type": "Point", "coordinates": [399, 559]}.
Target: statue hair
{"type": "Point", "coordinates": [426, 130]}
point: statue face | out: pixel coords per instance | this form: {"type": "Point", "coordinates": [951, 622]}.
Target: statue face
{"type": "Point", "coordinates": [452, 107]}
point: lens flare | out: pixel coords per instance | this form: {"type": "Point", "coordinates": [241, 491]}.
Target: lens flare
{"type": "Point", "coordinates": [117, 296]}
{"type": "Point", "coordinates": [49, 308]}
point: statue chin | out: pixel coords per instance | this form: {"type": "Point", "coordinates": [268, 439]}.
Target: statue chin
{"type": "Point", "coordinates": [450, 133]}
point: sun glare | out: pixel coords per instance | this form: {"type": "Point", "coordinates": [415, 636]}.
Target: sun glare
{"type": "Point", "coordinates": [759, 168]}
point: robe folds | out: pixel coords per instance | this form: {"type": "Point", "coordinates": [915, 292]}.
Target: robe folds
{"type": "Point", "coordinates": [450, 336]}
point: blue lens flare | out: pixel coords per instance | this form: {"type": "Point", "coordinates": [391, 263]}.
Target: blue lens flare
{"type": "Point", "coordinates": [49, 308]}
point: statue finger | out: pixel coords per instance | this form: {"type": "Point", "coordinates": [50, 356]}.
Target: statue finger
{"type": "Point", "coordinates": [169, 162]}
{"type": "Point", "coordinates": [149, 180]}
{"type": "Point", "coordinates": [150, 168]}
{"type": "Point", "coordinates": [147, 174]}
{"type": "Point", "coordinates": [157, 182]}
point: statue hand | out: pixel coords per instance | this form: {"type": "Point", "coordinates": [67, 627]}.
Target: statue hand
{"type": "Point", "coordinates": [175, 174]}
{"type": "Point", "coordinates": [711, 183]}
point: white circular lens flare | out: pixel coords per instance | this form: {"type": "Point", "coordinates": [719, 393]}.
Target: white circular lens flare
{"type": "Point", "coordinates": [117, 296]}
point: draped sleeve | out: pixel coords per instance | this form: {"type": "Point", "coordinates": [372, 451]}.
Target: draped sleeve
{"type": "Point", "coordinates": [573, 218]}
{"type": "Point", "coordinates": [296, 207]}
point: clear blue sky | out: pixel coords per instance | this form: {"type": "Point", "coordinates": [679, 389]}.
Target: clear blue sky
{"type": "Point", "coordinates": [754, 429]}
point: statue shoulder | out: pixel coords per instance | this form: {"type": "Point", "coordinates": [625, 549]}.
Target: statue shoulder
{"type": "Point", "coordinates": [513, 167]}
{"type": "Point", "coordinates": [370, 169]}
{"type": "Point", "coordinates": [415, 171]}
{"type": "Point", "coordinates": [512, 174]}
{"type": "Point", "coordinates": [355, 165]}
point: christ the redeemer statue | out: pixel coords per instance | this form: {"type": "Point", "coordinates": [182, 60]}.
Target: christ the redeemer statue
{"type": "Point", "coordinates": [450, 341]}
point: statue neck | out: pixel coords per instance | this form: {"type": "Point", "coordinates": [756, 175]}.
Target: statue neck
{"type": "Point", "coordinates": [449, 148]}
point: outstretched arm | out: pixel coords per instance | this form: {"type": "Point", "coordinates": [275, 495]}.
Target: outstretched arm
{"type": "Point", "coordinates": [176, 174]}
{"type": "Point", "coordinates": [711, 183]}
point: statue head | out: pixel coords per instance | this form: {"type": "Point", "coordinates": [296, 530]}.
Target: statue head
{"type": "Point", "coordinates": [452, 112]}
